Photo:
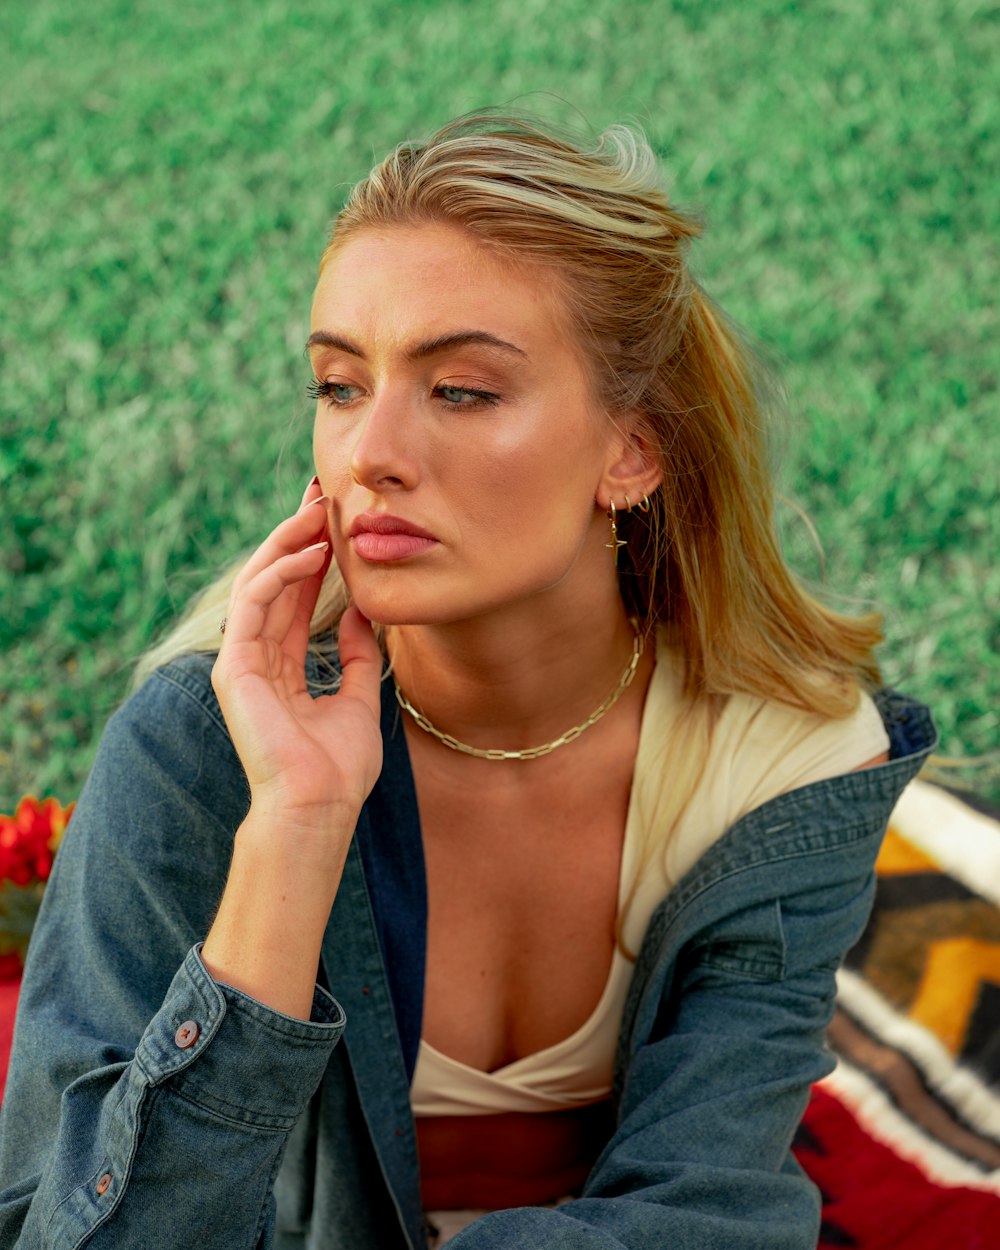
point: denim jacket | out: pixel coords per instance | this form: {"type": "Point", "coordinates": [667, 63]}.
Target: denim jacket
{"type": "Point", "coordinates": [149, 1106]}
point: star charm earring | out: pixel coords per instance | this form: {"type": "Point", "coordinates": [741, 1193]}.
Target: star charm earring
{"type": "Point", "coordinates": [615, 542]}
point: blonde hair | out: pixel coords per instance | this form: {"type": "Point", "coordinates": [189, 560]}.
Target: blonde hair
{"type": "Point", "coordinates": [704, 563]}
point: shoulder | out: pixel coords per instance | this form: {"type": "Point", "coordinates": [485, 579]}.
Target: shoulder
{"type": "Point", "coordinates": [826, 830]}
{"type": "Point", "coordinates": [170, 737]}
{"type": "Point", "coordinates": [799, 776]}
{"type": "Point", "coordinates": [800, 865]}
{"type": "Point", "coordinates": [752, 748]}
{"type": "Point", "coordinates": [766, 748]}
{"type": "Point", "coordinates": [182, 687]}
{"type": "Point", "coordinates": [167, 746]}
{"type": "Point", "coordinates": [779, 806]}
{"type": "Point", "coordinates": [174, 707]}
{"type": "Point", "coordinates": [704, 766]}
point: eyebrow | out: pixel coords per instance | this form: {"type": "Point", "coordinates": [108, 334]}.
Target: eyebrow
{"type": "Point", "coordinates": [432, 347]}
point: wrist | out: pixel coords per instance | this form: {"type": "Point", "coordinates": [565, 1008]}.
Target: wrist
{"type": "Point", "coordinates": [275, 820]}
{"type": "Point", "coordinates": [268, 931]}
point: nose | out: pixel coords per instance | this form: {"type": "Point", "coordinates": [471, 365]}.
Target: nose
{"type": "Point", "coordinates": [381, 458]}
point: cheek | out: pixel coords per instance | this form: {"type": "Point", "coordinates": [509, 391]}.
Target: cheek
{"type": "Point", "coordinates": [331, 455]}
{"type": "Point", "coordinates": [563, 461]}
{"type": "Point", "coordinates": [540, 500]}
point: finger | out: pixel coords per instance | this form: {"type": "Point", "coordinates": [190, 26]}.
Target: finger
{"type": "Point", "coordinates": [295, 630]}
{"type": "Point", "coordinates": [360, 660]}
{"type": "Point", "coordinates": [292, 535]}
{"type": "Point", "coordinates": [282, 613]}
{"type": "Point", "coordinates": [311, 492]}
{"type": "Point", "coordinates": [300, 628]}
{"type": "Point", "coordinates": [290, 620]}
{"type": "Point", "coordinates": [251, 604]}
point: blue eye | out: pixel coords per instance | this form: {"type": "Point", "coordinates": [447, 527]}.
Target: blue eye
{"type": "Point", "coordinates": [465, 397]}
{"type": "Point", "coordinates": [340, 394]}
{"type": "Point", "coordinates": [334, 393]}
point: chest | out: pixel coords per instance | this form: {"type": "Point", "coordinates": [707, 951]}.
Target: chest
{"type": "Point", "coordinates": [523, 883]}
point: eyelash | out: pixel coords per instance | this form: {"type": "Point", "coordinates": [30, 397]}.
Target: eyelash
{"type": "Point", "coordinates": [325, 390]}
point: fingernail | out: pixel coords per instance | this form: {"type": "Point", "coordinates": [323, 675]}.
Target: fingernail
{"type": "Point", "coordinates": [315, 547]}
{"type": "Point", "coordinates": [314, 482]}
{"type": "Point", "coordinates": [320, 499]}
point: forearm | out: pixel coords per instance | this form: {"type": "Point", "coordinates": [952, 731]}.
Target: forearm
{"type": "Point", "coordinates": [191, 1124]}
{"type": "Point", "coordinates": [285, 871]}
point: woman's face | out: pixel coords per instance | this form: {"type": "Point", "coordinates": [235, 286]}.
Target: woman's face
{"type": "Point", "coordinates": [455, 430]}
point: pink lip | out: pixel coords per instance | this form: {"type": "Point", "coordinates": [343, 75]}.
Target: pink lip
{"type": "Point", "coordinates": [382, 539]}
{"type": "Point", "coordinates": [378, 523]}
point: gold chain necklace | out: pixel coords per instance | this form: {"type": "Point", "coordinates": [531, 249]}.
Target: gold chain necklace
{"type": "Point", "coordinates": [531, 753]}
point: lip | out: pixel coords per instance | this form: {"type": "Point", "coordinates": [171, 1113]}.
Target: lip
{"type": "Point", "coordinates": [380, 523]}
{"type": "Point", "coordinates": [382, 539]}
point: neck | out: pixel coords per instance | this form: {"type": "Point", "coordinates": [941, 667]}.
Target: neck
{"type": "Point", "coordinates": [517, 682]}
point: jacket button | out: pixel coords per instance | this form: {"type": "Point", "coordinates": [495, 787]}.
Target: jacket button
{"type": "Point", "coordinates": [103, 1183]}
{"type": "Point", "coordinates": [187, 1034]}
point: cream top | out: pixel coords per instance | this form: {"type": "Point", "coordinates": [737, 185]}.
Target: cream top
{"type": "Point", "coordinates": [758, 749]}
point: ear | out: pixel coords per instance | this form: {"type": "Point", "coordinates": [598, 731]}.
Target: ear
{"type": "Point", "coordinates": [632, 466]}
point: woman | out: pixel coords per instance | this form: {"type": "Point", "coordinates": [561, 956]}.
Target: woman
{"type": "Point", "coordinates": [540, 928]}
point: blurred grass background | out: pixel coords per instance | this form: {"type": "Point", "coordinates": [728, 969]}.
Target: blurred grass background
{"type": "Point", "coordinates": [167, 173]}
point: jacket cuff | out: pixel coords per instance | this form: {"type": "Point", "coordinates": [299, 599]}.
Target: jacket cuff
{"type": "Point", "coordinates": [233, 1055]}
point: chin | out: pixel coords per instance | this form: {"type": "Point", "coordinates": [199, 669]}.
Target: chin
{"type": "Point", "coordinates": [424, 607]}
{"type": "Point", "coordinates": [399, 608]}
{"type": "Point", "coordinates": [417, 597]}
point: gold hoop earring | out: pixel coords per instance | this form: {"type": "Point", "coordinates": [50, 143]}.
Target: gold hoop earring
{"type": "Point", "coordinates": [615, 542]}
{"type": "Point", "coordinates": [628, 504]}
{"type": "Point", "coordinates": [645, 505]}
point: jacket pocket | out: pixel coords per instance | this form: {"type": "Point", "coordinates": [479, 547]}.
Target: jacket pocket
{"type": "Point", "coordinates": [750, 943]}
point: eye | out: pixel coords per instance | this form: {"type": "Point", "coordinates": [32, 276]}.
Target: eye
{"type": "Point", "coordinates": [466, 397]}
{"type": "Point", "coordinates": [335, 393]}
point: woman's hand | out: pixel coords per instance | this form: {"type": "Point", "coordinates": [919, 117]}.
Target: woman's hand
{"type": "Point", "coordinates": [299, 753]}
{"type": "Point", "coordinates": [311, 763]}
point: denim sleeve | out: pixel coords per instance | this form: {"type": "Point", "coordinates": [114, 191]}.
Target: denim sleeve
{"type": "Point", "coordinates": [148, 1105]}
{"type": "Point", "coordinates": [700, 1159]}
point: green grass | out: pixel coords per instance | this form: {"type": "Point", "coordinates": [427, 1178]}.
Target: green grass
{"type": "Point", "coordinates": [168, 172]}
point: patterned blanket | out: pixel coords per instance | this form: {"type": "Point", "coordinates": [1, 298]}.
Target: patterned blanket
{"type": "Point", "coordinates": [903, 1139]}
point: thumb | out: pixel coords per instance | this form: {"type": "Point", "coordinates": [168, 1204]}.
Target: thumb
{"type": "Point", "coordinates": [360, 660]}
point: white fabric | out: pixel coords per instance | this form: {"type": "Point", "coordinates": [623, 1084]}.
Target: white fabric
{"type": "Point", "coordinates": [759, 749]}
